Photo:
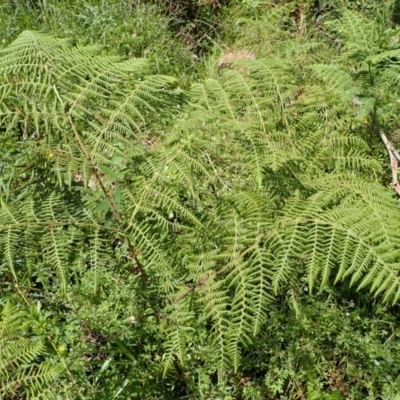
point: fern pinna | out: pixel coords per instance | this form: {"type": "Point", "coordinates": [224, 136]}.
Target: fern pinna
{"type": "Point", "coordinates": [208, 206]}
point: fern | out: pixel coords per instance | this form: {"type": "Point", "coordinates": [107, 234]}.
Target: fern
{"type": "Point", "coordinates": [264, 179]}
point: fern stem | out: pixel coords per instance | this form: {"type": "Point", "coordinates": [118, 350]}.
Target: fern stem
{"type": "Point", "coordinates": [91, 162]}
{"type": "Point", "coordinates": [133, 252]}
{"type": "Point", "coordinates": [94, 168]}
{"type": "Point", "coordinates": [22, 294]}
{"type": "Point", "coordinates": [190, 290]}
{"type": "Point", "coordinates": [394, 159]}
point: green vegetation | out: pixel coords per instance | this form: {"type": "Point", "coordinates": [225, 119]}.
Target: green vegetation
{"type": "Point", "coordinates": [197, 201]}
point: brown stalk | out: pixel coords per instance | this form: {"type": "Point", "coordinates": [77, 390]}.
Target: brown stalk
{"type": "Point", "coordinates": [394, 159]}
{"type": "Point", "coordinates": [133, 252]}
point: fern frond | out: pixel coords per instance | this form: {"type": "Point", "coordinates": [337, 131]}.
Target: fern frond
{"type": "Point", "coordinates": [178, 333]}
{"type": "Point", "coordinates": [58, 90]}
{"type": "Point", "coordinates": [337, 240]}
{"type": "Point", "coordinates": [356, 31]}
{"type": "Point", "coordinates": [21, 371]}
